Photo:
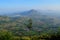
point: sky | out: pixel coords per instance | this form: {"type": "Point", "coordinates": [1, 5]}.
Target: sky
{"type": "Point", "coordinates": [18, 5]}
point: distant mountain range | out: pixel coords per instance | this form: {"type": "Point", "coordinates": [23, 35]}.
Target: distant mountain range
{"type": "Point", "coordinates": [34, 12]}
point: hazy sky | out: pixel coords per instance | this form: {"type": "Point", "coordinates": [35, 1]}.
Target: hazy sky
{"type": "Point", "coordinates": [29, 4]}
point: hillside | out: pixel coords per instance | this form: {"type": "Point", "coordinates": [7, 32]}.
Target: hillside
{"type": "Point", "coordinates": [29, 25]}
{"type": "Point", "coordinates": [18, 24]}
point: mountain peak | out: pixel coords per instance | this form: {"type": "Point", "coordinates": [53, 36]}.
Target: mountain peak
{"type": "Point", "coordinates": [33, 10]}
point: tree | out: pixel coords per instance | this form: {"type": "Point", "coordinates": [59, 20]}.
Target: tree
{"type": "Point", "coordinates": [30, 24]}
{"type": "Point", "coordinates": [5, 35]}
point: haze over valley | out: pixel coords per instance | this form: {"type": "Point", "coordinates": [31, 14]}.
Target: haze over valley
{"type": "Point", "coordinates": [29, 19]}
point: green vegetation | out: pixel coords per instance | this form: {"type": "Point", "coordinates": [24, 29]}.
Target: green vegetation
{"type": "Point", "coordinates": [23, 28]}
{"type": "Point", "coordinates": [6, 35]}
